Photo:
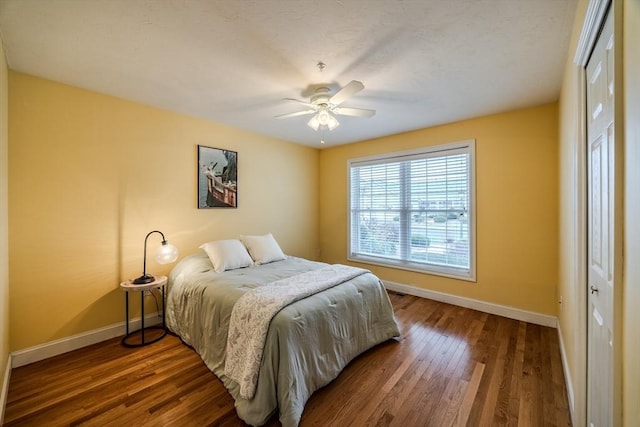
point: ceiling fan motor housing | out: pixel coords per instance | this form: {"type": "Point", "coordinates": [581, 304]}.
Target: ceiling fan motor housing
{"type": "Point", "coordinates": [321, 97]}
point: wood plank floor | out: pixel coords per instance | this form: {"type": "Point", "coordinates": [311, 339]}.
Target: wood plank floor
{"type": "Point", "coordinates": [452, 367]}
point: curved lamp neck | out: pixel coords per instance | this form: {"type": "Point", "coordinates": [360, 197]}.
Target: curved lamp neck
{"type": "Point", "coordinates": [164, 242]}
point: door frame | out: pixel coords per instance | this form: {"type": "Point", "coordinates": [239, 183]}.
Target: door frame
{"type": "Point", "coordinates": [593, 21]}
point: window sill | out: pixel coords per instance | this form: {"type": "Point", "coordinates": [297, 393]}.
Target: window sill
{"type": "Point", "coordinates": [468, 276]}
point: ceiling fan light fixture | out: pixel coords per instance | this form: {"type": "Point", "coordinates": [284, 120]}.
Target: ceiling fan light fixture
{"type": "Point", "coordinates": [323, 119]}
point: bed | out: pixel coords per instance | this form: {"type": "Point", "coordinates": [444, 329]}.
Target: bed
{"type": "Point", "coordinates": [307, 344]}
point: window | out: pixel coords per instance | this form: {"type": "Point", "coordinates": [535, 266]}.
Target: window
{"type": "Point", "coordinates": [415, 210]}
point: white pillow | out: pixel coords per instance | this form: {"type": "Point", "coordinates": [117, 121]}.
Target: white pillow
{"type": "Point", "coordinates": [263, 249]}
{"type": "Point", "coordinates": [227, 254]}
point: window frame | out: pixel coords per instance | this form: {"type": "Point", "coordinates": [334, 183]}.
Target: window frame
{"type": "Point", "coordinates": [467, 147]}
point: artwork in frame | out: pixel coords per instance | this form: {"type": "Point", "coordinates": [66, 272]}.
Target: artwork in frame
{"type": "Point", "coordinates": [217, 178]}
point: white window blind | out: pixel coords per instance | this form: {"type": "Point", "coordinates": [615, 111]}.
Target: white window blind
{"type": "Point", "coordinates": [415, 210]}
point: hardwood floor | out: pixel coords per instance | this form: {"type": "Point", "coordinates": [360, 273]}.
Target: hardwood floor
{"type": "Point", "coordinates": [452, 366]}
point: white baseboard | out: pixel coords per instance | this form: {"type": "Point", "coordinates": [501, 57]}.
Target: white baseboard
{"type": "Point", "coordinates": [5, 390]}
{"type": "Point", "coordinates": [567, 377]}
{"type": "Point", "coordinates": [487, 307]}
{"type": "Point", "coordinates": [74, 342]}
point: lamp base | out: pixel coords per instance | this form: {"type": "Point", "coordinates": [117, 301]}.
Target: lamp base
{"type": "Point", "coordinates": [143, 280]}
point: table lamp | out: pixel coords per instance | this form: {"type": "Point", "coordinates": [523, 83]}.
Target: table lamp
{"type": "Point", "coordinates": [166, 253]}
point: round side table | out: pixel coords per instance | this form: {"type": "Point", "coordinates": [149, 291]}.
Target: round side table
{"type": "Point", "coordinates": [127, 287]}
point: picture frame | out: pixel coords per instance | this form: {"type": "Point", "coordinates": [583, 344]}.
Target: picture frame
{"type": "Point", "coordinates": [217, 178]}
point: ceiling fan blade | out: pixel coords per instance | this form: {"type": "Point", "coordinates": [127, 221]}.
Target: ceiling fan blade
{"type": "Point", "coordinates": [297, 113]}
{"type": "Point", "coordinates": [346, 92]}
{"type": "Point", "coordinates": [300, 102]}
{"type": "Point", "coordinates": [355, 112]}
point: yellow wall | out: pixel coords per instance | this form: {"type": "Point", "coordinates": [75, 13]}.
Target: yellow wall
{"type": "Point", "coordinates": [631, 299]}
{"type": "Point", "coordinates": [4, 225]}
{"type": "Point", "coordinates": [517, 206]}
{"type": "Point", "coordinates": [90, 175]}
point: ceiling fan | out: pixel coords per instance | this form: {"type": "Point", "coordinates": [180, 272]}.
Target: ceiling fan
{"type": "Point", "coordinates": [326, 107]}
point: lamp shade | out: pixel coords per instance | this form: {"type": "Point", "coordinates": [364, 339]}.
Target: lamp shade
{"type": "Point", "coordinates": [166, 253]}
{"type": "Point", "coordinates": [324, 117]}
{"type": "Point", "coordinates": [314, 123]}
{"type": "Point", "coordinates": [332, 123]}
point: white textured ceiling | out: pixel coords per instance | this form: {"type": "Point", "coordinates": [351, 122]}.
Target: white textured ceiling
{"type": "Point", "coordinates": [423, 62]}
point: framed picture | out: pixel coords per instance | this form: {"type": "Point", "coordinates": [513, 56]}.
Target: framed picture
{"type": "Point", "coordinates": [217, 178]}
